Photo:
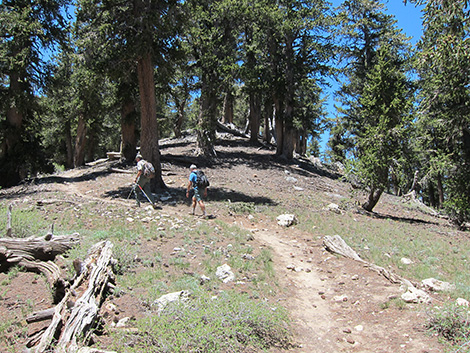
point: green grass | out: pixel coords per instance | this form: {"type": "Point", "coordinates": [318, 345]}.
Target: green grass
{"type": "Point", "coordinates": [228, 323]}
{"type": "Point", "coordinates": [452, 323]}
{"type": "Point", "coordinates": [385, 242]}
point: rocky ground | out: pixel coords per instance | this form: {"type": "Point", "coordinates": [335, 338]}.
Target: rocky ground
{"type": "Point", "coordinates": [336, 304]}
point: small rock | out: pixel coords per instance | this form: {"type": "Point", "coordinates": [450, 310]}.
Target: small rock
{"type": "Point", "coordinates": [413, 295]}
{"type": "Point", "coordinates": [123, 322]}
{"type": "Point", "coordinates": [406, 261]}
{"type": "Point", "coordinates": [340, 298]}
{"type": "Point", "coordinates": [359, 328]}
{"type": "Point", "coordinates": [333, 208]}
{"type": "Point", "coordinates": [286, 220]}
{"type": "Point", "coordinates": [437, 286]}
{"type": "Point", "coordinates": [224, 273]}
{"type": "Point", "coordinates": [462, 302]}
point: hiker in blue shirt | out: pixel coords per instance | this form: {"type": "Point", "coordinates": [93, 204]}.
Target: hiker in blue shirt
{"type": "Point", "coordinates": [197, 198]}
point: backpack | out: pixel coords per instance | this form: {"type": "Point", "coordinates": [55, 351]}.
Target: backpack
{"type": "Point", "coordinates": [148, 170]}
{"type": "Point", "coordinates": [201, 180]}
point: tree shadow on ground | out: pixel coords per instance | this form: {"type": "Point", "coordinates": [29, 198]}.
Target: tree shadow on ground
{"type": "Point", "coordinates": [408, 220]}
{"type": "Point", "coordinates": [178, 196]}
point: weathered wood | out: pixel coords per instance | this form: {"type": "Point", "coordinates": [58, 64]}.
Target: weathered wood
{"type": "Point", "coordinates": [39, 248]}
{"type": "Point", "coordinates": [9, 221]}
{"type": "Point", "coordinates": [125, 171]}
{"type": "Point", "coordinates": [230, 130]}
{"type": "Point", "coordinates": [75, 326]}
{"type": "Point", "coordinates": [113, 155]}
{"type": "Point", "coordinates": [337, 245]}
{"type": "Point", "coordinates": [40, 316]}
{"type": "Point", "coordinates": [87, 306]}
{"type": "Point", "coordinates": [55, 201]}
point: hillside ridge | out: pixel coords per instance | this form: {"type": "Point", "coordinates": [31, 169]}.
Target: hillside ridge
{"type": "Point", "coordinates": [336, 304]}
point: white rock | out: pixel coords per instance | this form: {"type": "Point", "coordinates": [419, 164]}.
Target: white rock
{"type": "Point", "coordinates": [462, 302]}
{"type": "Point", "coordinates": [340, 298]}
{"type": "Point", "coordinates": [359, 328]}
{"type": "Point", "coordinates": [204, 279]}
{"type": "Point", "coordinates": [437, 286]}
{"type": "Point", "coordinates": [333, 208]}
{"type": "Point", "coordinates": [291, 179]}
{"type": "Point", "coordinates": [286, 220]}
{"type": "Point", "coordinates": [224, 273]}
{"type": "Point", "coordinates": [123, 322]}
{"type": "Point", "coordinates": [406, 261]}
{"type": "Point", "coordinates": [414, 295]}
{"type": "Point", "coordinates": [164, 300]}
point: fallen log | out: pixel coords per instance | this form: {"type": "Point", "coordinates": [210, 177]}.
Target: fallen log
{"type": "Point", "coordinates": [37, 255]}
{"type": "Point", "coordinates": [40, 316]}
{"type": "Point", "coordinates": [337, 245]}
{"type": "Point", "coordinates": [125, 171]}
{"type": "Point", "coordinates": [231, 130]}
{"type": "Point", "coordinates": [73, 327]}
{"type": "Point", "coordinates": [40, 248]}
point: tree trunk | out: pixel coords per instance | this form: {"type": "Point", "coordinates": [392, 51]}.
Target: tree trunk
{"type": "Point", "coordinates": [289, 141]}
{"type": "Point", "coordinates": [11, 145]}
{"type": "Point", "coordinates": [255, 116]}
{"type": "Point", "coordinates": [228, 108]}
{"type": "Point", "coordinates": [440, 190]}
{"type": "Point", "coordinates": [80, 142]}
{"type": "Point", "coordinates": [207, 120]}
{"type": "Point", "coordinates": [149, 135]}
{"type": "Point", "coordinates": [374, 197]}
{"type": "Point", "coordinates": [68, 145]}
{"type": "Point", "coordinates": [288, 144]}
{"type": "Point", "coordinates": [128, 136]}
{"type": "Point", "coordinates": [268, 115]}
{"type": "Point", "coordinates": [279, 127]}
{"type": "Point", "coordinates": [180, 108]}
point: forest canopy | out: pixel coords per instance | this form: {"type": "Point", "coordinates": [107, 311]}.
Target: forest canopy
{"type": "Point", "coordinates": [80, 78]}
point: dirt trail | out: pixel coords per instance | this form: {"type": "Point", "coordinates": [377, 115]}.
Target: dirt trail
{"type": "Point", "coordinates": [305, 304]}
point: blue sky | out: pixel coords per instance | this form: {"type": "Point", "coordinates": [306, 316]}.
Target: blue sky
{"type": "Point", "coordinates": [408, 19]}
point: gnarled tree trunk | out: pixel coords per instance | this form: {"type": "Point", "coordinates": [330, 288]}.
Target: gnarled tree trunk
{"type": "Point", "coordinates": [149, 135]}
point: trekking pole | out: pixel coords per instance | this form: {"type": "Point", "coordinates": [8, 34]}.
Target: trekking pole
{"type": "Point", "coordinates": [143, 192]}
{"type": "Point", "coordinates": [130, 193]}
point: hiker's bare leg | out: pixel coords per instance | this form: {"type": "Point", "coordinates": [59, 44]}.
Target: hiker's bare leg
{"type": "Point", "coordinates": [203, 207]}
{"type": "Point", "coordinates": [194, 204]}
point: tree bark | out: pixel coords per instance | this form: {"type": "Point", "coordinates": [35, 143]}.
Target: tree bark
{"type": "Point", "coordinates": [228, 108]}
{"type": "Point", "coordinates": [268, 115]}
{"type": "Point", "coordinates": [70, 331]}
{"type": "Point", "coordinates": [288, 144]}
{"type": "Point", "coordinates": [11, 144]}
{"type": "Point", "coordinates": [440, 190]}
{"type": "Point", "coordinates": [149, 135]}
{"type": "Point", "coordinates": [128, 146]}
{"type": "Point", "coordinates": [374, 196]}
{"type": "Point", "coordinates": [207, 120]}
{"type": "Point", "coordinates": [279, 126]}
{"type": "Point", "coordinates": [68, 145]}
{"type": "Point", "coordinates": [255, 116]}
{"type": "Point", "coordinates": [80, 142]}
